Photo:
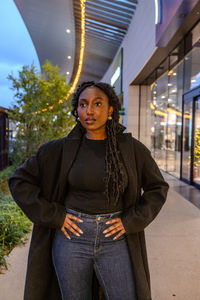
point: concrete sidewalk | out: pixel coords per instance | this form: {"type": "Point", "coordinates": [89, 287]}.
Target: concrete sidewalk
{"type": "Point", "coordinates": [173, 244]}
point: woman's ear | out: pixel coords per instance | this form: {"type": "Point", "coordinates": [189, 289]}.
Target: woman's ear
{"type": "Point", "coordinates": [111, 109]}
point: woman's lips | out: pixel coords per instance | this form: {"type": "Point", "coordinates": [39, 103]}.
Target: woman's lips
{"type": "Point", "coordinates": [90, 121]}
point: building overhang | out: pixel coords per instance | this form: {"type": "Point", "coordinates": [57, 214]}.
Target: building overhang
{"type": "Point", "coordinates": [106, 24]}
{"type": "Point", "coordinates": [169, 41]}
{"type": "Point", "coordinates": [47, 22]}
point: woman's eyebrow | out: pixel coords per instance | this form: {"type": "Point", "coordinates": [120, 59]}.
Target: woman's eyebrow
{"type": "Point", "coordinates": [83, 99]}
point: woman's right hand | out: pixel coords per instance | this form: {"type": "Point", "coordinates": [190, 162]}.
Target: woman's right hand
{"type": "Point", "coordinates": [70, 225]}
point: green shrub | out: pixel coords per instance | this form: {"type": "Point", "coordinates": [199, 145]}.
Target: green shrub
{"type": "Point", "coordinates": [4, 175]}
{"type": "Point", "coordinates": [14, 225]}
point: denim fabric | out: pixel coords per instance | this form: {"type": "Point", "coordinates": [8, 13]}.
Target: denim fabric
{"type": "Point", "coordinates": [76, 259]}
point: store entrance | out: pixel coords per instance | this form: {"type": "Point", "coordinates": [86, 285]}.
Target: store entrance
{"type": "Point", "coordinates": [190, 166]}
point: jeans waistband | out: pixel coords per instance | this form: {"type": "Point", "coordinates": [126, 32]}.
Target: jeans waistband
{"type": "Point", "coordinates": [94, 217]}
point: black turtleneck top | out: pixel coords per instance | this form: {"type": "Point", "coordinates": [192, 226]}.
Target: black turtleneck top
{"type": "Point", "coordinates": [86, 180]}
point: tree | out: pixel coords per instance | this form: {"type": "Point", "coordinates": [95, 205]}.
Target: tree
{"type": "Point", "coordinates": [40, 114]}
{"type": "Point", "coordinates": [197, 148]}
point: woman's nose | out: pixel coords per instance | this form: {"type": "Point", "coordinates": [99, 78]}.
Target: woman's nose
{"type": "Point", "coordinates": [90, 109]}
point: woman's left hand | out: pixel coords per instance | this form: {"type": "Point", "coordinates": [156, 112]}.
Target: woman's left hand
{"type": "Point", "coordinates": [116, 227]}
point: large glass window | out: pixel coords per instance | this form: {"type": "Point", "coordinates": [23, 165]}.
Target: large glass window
{"type": "Point", "coordinates": [192, 69]}
{"type": "Point", "coordinates": [187, 140]}
{"type": "Point", "coordinates": [196, 168]}
{"type": "Point", "coordinates": [180, 72]}
{"type": "Point", "coordinates": [166, 119]}
{"type": "Point", "coordinates": [159, 120]}
{"type": "Point", "coordinates": [192, 60]}
{"type": "Point", "coordinates": [174, 119]}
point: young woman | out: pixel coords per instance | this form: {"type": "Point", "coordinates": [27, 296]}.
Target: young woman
{"type": "Point", "coordinates": [90, 196]}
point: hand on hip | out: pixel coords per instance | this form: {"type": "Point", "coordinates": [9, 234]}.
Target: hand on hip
{"type": "Point", "coordinates": [71, 226]}
{"type": "Point", "coordinates": [117, 227]}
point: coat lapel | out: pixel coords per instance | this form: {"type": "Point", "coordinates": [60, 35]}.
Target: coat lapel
{"type": "Point", "coordinates": [70, 149]}
{"type": "Point", "coordinates": [128, 156]}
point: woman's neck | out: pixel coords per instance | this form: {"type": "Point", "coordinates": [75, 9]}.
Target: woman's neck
{"type": "Point", "coordinates": [95, 135]}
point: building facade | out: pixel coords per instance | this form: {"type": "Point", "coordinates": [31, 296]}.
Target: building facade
{"type": "Point", "coordinates": [160, 78]}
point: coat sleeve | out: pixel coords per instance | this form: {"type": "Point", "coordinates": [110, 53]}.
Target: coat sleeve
{"type": "Point", "coordinates": [151, 200]}
{"type": "Point", "coordinates": [24, 185]}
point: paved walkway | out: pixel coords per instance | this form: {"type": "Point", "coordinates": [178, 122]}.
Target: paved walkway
{"type": "Point", "coordinates": [173, 242]}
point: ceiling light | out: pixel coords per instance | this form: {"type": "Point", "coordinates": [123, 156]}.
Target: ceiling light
{"type": "Point", "coordinates": [82, 48]}
{"type": "Point", "coordinates": [170, 72]}
{"type": "Point", "coordinates": [170, 84]}
{"type": "Point", "coordinates": [68, 30]}
{"type": "Point", "coordinates": [69, 57]}
{"type": "Point", "coordinates": [67, 73]}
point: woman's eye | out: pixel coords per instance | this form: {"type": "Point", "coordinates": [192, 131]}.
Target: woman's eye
{"type": "Point", "coordinates": [98, 103]}
{"type": "Point", "coordinates": [82, 105]}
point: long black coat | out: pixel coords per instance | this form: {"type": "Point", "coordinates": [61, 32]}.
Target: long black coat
{"type": "Point", "coordinates": [39, 188]}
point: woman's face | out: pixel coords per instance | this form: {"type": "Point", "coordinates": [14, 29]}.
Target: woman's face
{"type": "Point", "coordinates": [93, 111]}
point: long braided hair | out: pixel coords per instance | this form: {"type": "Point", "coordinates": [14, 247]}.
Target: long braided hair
{"type": "Point", "coordinates": [114, 181]}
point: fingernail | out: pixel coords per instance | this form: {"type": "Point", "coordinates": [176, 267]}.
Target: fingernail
{"type": "Point", "coordinates": [77, 234]}
{"type": "Point", "coordinates": [69, 237]}
{"type": "Point", "coordinates": [114, 238]}
{"type": "Point", "coordinates": [106, 235]}
{"type": "Point", "coordinates": [81, 231]}
{"type": "Point", "coordinates": [104, 231]}
{"type": "Point", "coordinates": [107, 222]}
{"type": "Point", "coordinates": [81, 221]}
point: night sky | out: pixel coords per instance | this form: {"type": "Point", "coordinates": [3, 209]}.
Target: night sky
{"type": "Point", "coordinates": [16, 49]}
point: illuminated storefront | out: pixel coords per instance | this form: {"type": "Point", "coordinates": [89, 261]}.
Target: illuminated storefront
{"type": "Point", "coordinates": [173, 110]}
{"type": "Point", "coordinates": [159, 68]}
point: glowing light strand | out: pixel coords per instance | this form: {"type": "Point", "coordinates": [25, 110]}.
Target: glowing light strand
{"type": "Point", "coordinates": [82, 49]}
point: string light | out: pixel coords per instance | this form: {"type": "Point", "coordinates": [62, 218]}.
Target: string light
{"type": "Point", "coordinates": [82, 49]}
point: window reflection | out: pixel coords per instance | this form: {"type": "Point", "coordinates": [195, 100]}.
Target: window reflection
{"type": "Point", "coordinates": [192, 59]}
{"type": "Point", "coordinates": [187, 140]}
{"type": "Point", "coordinates": [174, 110]}
{"type": "Point", "coordinates": [164, 91]}
{"type": "Point", "coordinates": [196, 169]}
{"type": "Point", "coordinates": [192, 69]}
{"type": "Point", "coordinates": [166, 119]}
{"type": "Point", "coordinates": [159, 120]}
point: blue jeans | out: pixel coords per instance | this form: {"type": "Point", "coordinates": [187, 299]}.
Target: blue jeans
{"type": "Point", "coordinates": [76, 259]}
